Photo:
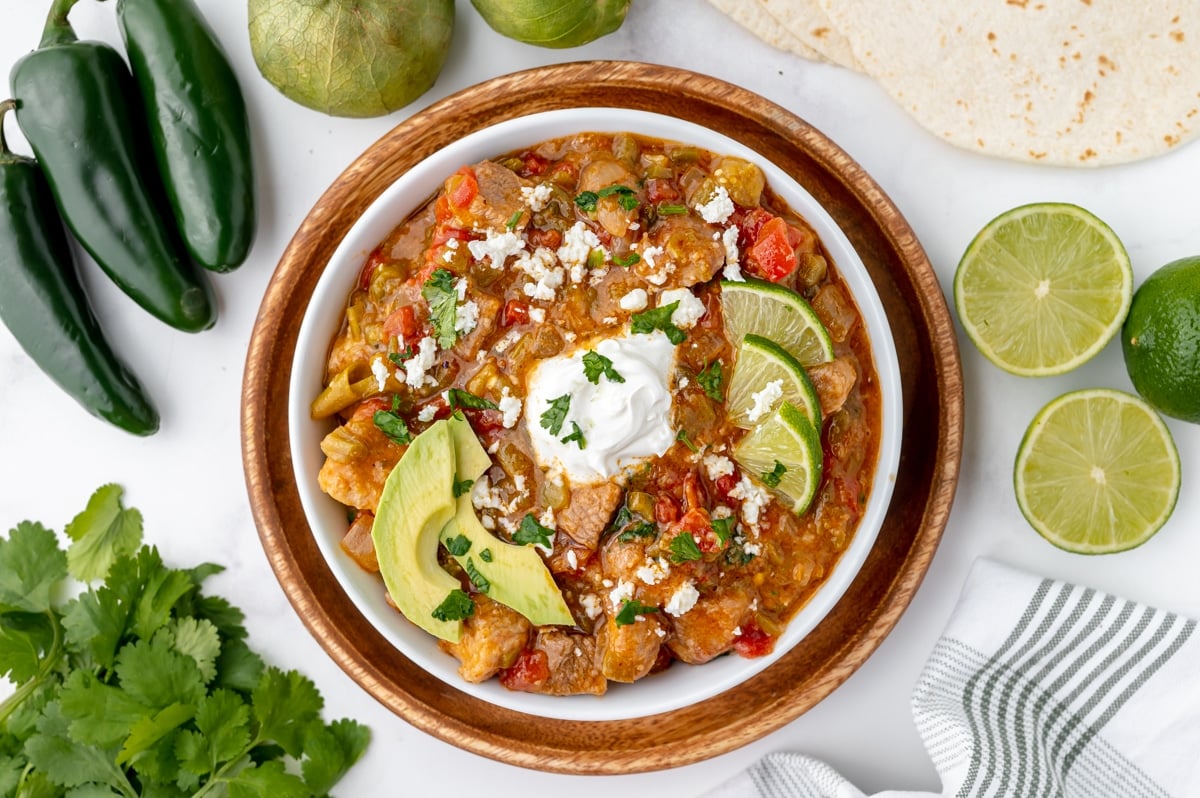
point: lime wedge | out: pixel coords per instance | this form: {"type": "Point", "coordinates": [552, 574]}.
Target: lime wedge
{"type": "Point", "coordinates": [763, 376]}
{"type": "Point", "coordinates": [1097, 472]}
{"type": "Point", "coordinates": [1043, 288]}
{"type": "Point", "coordinates": [772, 311]}
{"type": "Point", "coordinates": [784, 452]}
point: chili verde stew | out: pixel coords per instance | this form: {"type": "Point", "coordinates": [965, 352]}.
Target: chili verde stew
{"type": "Point", "coordinates": [601, 405]}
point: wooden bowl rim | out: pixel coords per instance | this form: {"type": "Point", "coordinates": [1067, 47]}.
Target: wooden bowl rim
{"type": "Point", "coordinates": [674, 738]}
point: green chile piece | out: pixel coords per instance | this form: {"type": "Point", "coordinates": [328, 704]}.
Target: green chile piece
{"type": "Point", "coordinates": [553, 23]}
{"type": "Point", "coordinates": [357, 59]}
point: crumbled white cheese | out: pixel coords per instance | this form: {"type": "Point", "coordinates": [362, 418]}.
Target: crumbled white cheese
{"type": "Point", "coordinates": [541, 268]}
{"type": "Point", "coordinates": [721, 511]}
{"type": "Point", "coordinates": [578, 651]}
{"type": "Point", "coordinates": [572, 559]}
{"type": "Point", "coordinates": [608, 321]}
{"type": "Point", "coordinates": [764, 400]}
{"type": "Point", "coordinates": [487, 522]}
{"type": "Point", "coordinates": [496, 247]}
{"type": "Point", "coordinates": [654, 571]}
{"type": "Point", "coordinates": [577, 245]}
{"type": "Point", "coordinates": [737, 631]}
{"type": "Point", "coordinates": [427, 413]}
{"type": "Point", "coordinates": [718, 466]}
{"type": "Point", "coordinates": [650, 256]}
{"type": "Point", "coordinates": [466, 318]}
{"type": "Point", "coordinates": [537, 196]}
{"type": "Point", "coordinates": [753, 549]}
{"type": "Point", "coordinates": [635, 300]}
{"type": "Point", "coordinates": [718, 208]}
{"type": "Point", "coordinates": [658, 630]}
{"type": "Point", "coordinates": [381, 372]}
{"type": "Point", "coordinates": [622, 592]}
{"type": "Point", "coordinates": [683, 382]}
{"type": "Point", "coordinates": [591, 605]}
{"type": "Point", "coordinates": [421, 362]}
{"type": "Point", "coordinates": [690, 307]}
{"type": "Point", "coordinates": [682, 600]}
{"type": "Point", "coordinates": [537, 315]}
{"type": "Point", "coordinates": [753, 499]}
{"type": "Point", "coordinates": [508, 340]}
{"type": "Point", "coordinates": [732, 270]}
{"type": "Point", "coordinates": [460, 286]}
{"type": "Point", "coordinates": [655, 274]}
{"type": "Point", "coordinates": [569, 336]}
{"type": "Point", "coordinates": [510, 406]}
{"type": "Point", "coordinates": [546, 519]}
{"type": "Point", "coordinates": [484, 496]}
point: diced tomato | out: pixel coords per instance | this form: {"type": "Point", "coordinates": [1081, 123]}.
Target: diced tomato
{"type": "Point", "coordinates": [801, 240]}
{"type": "Point", "coordinates": [564, 173]}
{"type": "Point", "coordinates": [550, 239]}
{"type": "Point", "coordinates": [725, 485]}
{"type": "Point", "coordinates": [374, 261]}
{"type": "Point", "coordinates": [753, 641]}
{"type": "Point", "coordinates": [661, 190]}
{"type": "Point", "coordinates": [750, 223]}
{"type": "Point", "coordinates": [461, 188]}
{"type": "Point", "coordinates": [401, 323]}
{"type": "Point", "coordinates": [849, 494]}
{"type": "Point", "coordinates": [531, 669]}
{"type": "Point", "coordinates": [698, 522]}
{"type": "Point", "coordinates": [515, 312]}
{"type": "Point", "coordinates": [485, 422]}
{"type": "Point", "coordinates": [666, 510]}
{"type": "Point", "coordinates": [534, 165]}
{"type": "Point", "coordinates": [772, 257]}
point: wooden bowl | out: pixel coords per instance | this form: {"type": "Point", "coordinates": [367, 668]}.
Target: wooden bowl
{"type": "Point", "coordinates": [929, 459]}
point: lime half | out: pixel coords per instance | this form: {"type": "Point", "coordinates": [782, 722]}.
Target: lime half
{"type": "Point", "coordinates": [784, 452]}
{"type": "Point", "coordinates": [763, 376]}
{"type": "Point", "coordinates": [1097, 472]}
{"type": "Point", "coordinates": [1043, 288]}
{"type": "Point", "coordinates": [774, 312]}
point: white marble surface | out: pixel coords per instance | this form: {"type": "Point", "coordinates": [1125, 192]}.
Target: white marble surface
{"type": "Point", "coordinates": [187, 479]}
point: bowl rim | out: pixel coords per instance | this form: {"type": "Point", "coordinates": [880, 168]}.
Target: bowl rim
{"type": "Point", "coordinates": [677, 687]}
{"type": "Point", "coordinates": [931, 455]}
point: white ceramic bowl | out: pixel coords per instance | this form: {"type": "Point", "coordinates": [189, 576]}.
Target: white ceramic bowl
{"type": "Point", "coordinates": [680, 685]}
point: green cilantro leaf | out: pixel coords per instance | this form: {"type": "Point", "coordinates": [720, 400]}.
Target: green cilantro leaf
{"type": "Point", "coordinates": [31, 564]}
{"type": "Point", "coordinates": [736, 555]}
{"type": "Point", "coordinates": [330, 751]}
{"type": "Point", "coordinates": [238, 668]}
{"type": "Point", "coordinates": [622, 519]}
{"type": "Point", "coordinates": [457, 545]}
{"type": "Point", "coordinates": [99, 714]}
{"type": "Point", "coordinates": [575, 435]}
{"type": "Point", "coordinates": [626, 261]}
{"type": "Point", "coordinates": [157, 675]}
{"type": "Point", "coordinates": [266, 780]}
{"type": "Point", "coordinates": [671, 210]}
{"type": "Point", "coordinates": [659, 319]}
{"type": "Point", "coordinates": [69, 763]}
{"type": "Point", "coordinates": [457, 397]}
{"type": "Point", "coordinates": [486, 555]}
{"type": "Point", "coordinates": [683, 436]}
{"type": "Point", "coordinates": [711, 380]}
{"type": "Point", "coordinates": [513, 220]}
{"type": "Point", "coordinates": [723, 529]}
{"type": "Point", "coordinates": [772, 477]}
{"type": "Point", "coordinates": [552, 419]}
{"type": "Point", "coordinates": [391, 425]}
{"type": "Point", "coordinates": [461, 486]}
{"type": "Point", "coordinates": [479, 580]}
{"type": "Point", "coordinates": [586, 200]}
{"type": "Point", "coordinates": [148, 731]}
{"type": "Point", "coordinates": [102, 532]}
{"type": "Point", "coordinates": [398, 358]}
{"type": "Point", "coordinates": [595, 365]}
{"type": "Point", "coordinates": [645, 529]}
{"type": "Point", "coordinates": [223, 718]}
{"type": "Point", "coordinates": [22, 650]}
{"type": "Point", "coordinates": [531, 531]}
{"type": "Point", "coordinates": [198, 639]}
{"type": "Point", "coordinates": [442, 296]}
{"type": "Point", "coordinates": [285, 704]}
{"type": "Point", "coordinates": [455, 607]}
{"type": "Point", "coordinates": [630, 610]}
{"type": "Point", "coordinates": [684, 548]}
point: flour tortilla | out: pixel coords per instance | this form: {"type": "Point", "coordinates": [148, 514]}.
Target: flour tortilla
{"type": "Point", "coordinates": [796, 26]}
{"type": "Point", "coordinates": [1068, 82]}
{"type": "Point", "coordinates": [752, 16]}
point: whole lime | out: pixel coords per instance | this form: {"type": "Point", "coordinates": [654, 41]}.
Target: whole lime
{"type": "Point", "coordinates": [355, 58]}
{"type": "Point", "coordinates": [1161, 339]}
{"type": "Point", "coordinates": [553, 23]}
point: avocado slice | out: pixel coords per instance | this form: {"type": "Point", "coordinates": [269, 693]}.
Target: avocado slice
{"type": "Point", "coordinates": [515, 576]}
{"type": "Point", "coordinates": [417, 502]}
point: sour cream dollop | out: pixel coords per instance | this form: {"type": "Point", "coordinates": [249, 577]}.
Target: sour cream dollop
{"type": "Point", "coordinates": [623, 423]}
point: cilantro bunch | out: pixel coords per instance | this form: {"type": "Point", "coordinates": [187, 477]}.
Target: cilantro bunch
{"type": "Point", "coordinates": [141, 684]}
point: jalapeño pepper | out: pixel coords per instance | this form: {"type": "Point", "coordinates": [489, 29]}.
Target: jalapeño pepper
{"type": "Point", "coordinates": [198, 126]}
{"type": "Point", "coordinates": [76, 104]}
{"type": "Point", "coordinates": [44, 306]}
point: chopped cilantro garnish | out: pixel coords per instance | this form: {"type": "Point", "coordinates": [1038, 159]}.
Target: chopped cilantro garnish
{"type": "Point", "coordinates": [576, 435]}
{"type": "Point", "coordinates": [630, 610]}
{"type": "Point", "coordinates": [586, 201]}
{"type": "Point", "coordinates": [659, 319]}
{"type": "Point", "coordinates": [671, 210]}
{"type": "Point", "coordinates": [595, 365]}
{"type": "Point", "coordinates": [723, 529]}
{"type": "Point", "coordinates": [553, 418]}
{"type": "Point", "coordinates": [684, 548]}
{"type": "Point", "coordinates": [627, 201]}
{"type": "Point", "coordinates": [683, 436]}
{"type": "Point", "coordinates": [486, 555]}
{"type": "Point", "coordinates": [627, 260]}
{"type": "Point", "coordinates": [457, 397]}
{"type": "Point", "coordinates": [643, 530]}
{"type": "Point", "coordinates": [458, 545]}
{"type": "Point", "coordinates": [399, 357]}
{"type": "Point", "coordinates": [710, 380]}
{"type": "Point", "coordinates": [531, 531]}
{"type": "Point", "coordinates": [455, 607]}
{"type": "Point", "coordinates": [623, 518]}
{"type": "Point", "coordinates": [479, 580]}
{"type": "Point", "coordinates": [511, 224]}
{"type": "Point", "coordinates": [773, 476]}
{"type": "Point", "coordinates": [442, 296]}
{"type": "Point", "coordinates": [736, 555]}
{"type": "Point", "coordinates": [461, 486]}
{"type": "Point", "coordinates": [626, 198]}
{"type": "Point", "coordinates": [390, 423]}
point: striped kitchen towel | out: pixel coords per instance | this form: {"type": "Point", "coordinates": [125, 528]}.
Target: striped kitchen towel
{"type": "Point", "coordinates": [1039, 688]}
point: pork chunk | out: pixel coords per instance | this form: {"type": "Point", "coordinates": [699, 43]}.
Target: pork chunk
{"type": "Point", "coordinates": [706, 630]}
{"type": "Point", "coordinates": [572, 662]}
{"type": "Point", "coordinates": [589, 512]}
{"type": "Point", "coordinates": [628, 652]}
{"type": "Point", "coordinates": [499, 197]}
{"type": "Point", "coordinates": [492, 639]}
